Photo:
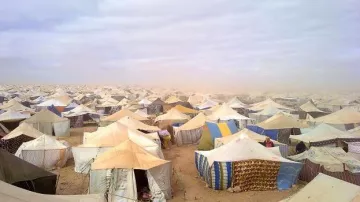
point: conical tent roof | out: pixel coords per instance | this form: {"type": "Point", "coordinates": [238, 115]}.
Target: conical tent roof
{"type": "Point", "coordinates": [137, 125]}
{"type": "Point", "coordinates": [244, 133]}
{"type": "Point", "coordinates": [269, 111]}
{"type": "Point", "coordinates": [13, 169]}
{"type": "Point", "coordinates": [172, 115]}
{"type": "Point", "coordinates": [79, 110]}
{"type": "Point", "coordinates": [44, 142]}
{"type": "Point", "coordinates": [343, 116]}
{"type": "Point", "coordinates": [310, 107]}
{"type": "Point", "coordinates": [321, 133]}
{"type": "Point", "coordinates": [142, 113]}
{"type": "Point", "coordinates": [196, 122]}
{"type": "Point", "coordinates": [122, 113]}
{"type": "Point", "coordinates": [11, 115]}
{"type": "Point", "coordinates": [115, 134]}
{"type": "Point", "coordinates": [127, 155]}
{"type": "Point", "coordinates": [240, 150]}
{"type": "Point", "coordinates": [8, 104]}
{"type": "Point", "coordinates": [207, 104]}
{"type": "Point", "coordinates": [61, 101]}
{"type": "Point", "coordinates": [15, 106]}
{"type": "Point", "coordinates": [45, 116]}
{"type": "Point", "coordinates": [145, 101]}
{"type": "Point", "coordinates": [235, 103]}
{"type": "Point", "coordinates": [185, 110]}
{"type": "Point", "coordinates": [281, 121]}
{"type": "Point", "coordinates": [225, 113]}
{"type": "Point", "coordinates": [326, 188]}
{"type": "Point", "coordinates": [23, 129]}
{"type": "Point", "coordinates": [269, 102]}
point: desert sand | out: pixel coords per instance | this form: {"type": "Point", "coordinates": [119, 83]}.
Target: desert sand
{"type": "Point", "coordinates": [186, 184]}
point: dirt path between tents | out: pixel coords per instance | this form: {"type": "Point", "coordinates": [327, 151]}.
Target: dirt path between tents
{"type": "Point", "coordinates": [186, 184]}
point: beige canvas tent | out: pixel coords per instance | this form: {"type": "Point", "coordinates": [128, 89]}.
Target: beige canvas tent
{"type": "Point", "coordinates": [281, 121]}
{"type": "Point", "coordinates": [346, 117]}
{"type": "Point", "coordinates": [172, 100]}
{"type": "Point", "coordinates": [269, 102]}
{"type": "Point", "coordinates": [138, 125]}
{"type": "Point", "coordinates": [190, 132]}
{"type": "Point", "coordinates": [173, 115]}
{"type": "Point", "coordinates": [127, 169]}
{"type": "Point", "coordinates": [119, 115]}
{"type": "Point", "coordinates": [49, 123]}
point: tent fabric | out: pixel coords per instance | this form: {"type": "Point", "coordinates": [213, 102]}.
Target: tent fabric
{"type": "Point", "coordinates": [23, 129]}
{"type": "Point", "coordinates": [44, 152]}
{"type": "Point", "coordinates": [323, 132]}
{"type": "Point", "coordinates": [281, 121]}
{"type": "Point", "coordinates": [123, 113]}
{"type": "Point", "coordinates": [215, 130]}
{"type": "Point", "coordinates": [137, 125]}
{"type": "Point", "coordinates": [235, 103]}
{"type": "Point", "coordinates": [10, 193]}
{"type": "Point", "coordinates": [207, 104]}
{"type": "Point", "coordinates": [127, 155]}
{"type": "Point", "coordinates": [79, 110]}
{"type": "Point", "coordinates": [15, 106]}
{"type": "Point", "coordinates": [226, 113]}
{"type": "Point", "coordinates": [185, 137]}
{"type": "Point", "coordinates": [269, 102]}
{"type": "Point", "coordinates": [310, 107]}
{"type": "Point", "coordinates": [172, 115]}
{"type": "Point", "coordinates": [54, 110]}
{"type": "Point", "coordinates": [13, 116]}
{"type": "Point", "coordinates": [326, 188]}
{"type": "Point", "coordinates": [20, 173]}
{"type": "Point", "coordinates": [344, 116]}
{"type": "Point", "coordinates": [172, 99]}
{"type": "Point", "coordinates": [237, 165]}
{"type": "Point", "coordinates": [61, 101]}
{"type": "Point", "coordinates": [185, 110]}
{"type": "Point", "coordinates": [196, 122]}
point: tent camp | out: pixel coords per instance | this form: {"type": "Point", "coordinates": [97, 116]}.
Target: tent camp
{"type": "Point", "coordinates": [49, 123]}
{"type": "Point", "coordinates": [191, 131]}
{"type": "Point", "coordinates": [324, 135]}
{"type": "Point", "coordinates": [10, 193]}
{"type": "Point", "coordinates": [45, 152]}
{"type": "Point", "coordinates": [279, 127]}
{"type": "Point", "coordinates": [268, 103]}
{"type": "Point", "coordinates": [25, 175]}
{"type": "Point", "coordinates": [331, 161]}
{"type": "Point", "coordinates": [128, 169]}
{"type": "Point", "coordinates": [326, 188]}
{"type": "Point", "coordinates": [173, 115]}
{"type": "Point", "coordinates": [11, 119]}
{"type": "Point", "coordinates": [106, 138]}
{"type": "Point", "coordinates": [242, 164]}
{"type": "Point", "coordinates": [246, 133]}
{"type": "Point", "coordinates": [81, 114]}
{"type": "Point", "coordinates": [119, 115]}
{"type": "Point", "coordinates": [137, 125]}
{"type": "Point", "coordinates": [24, 133]}
{"type": "Point", "coordinates": [343, 119]}
{"type": "Point", "coordinates": [309, 108]}
{"type": "Point", "coordinates": [211, 131]}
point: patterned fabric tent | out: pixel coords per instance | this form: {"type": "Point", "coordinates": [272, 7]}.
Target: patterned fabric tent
{"type": "Point", "coordinates": [245, 165]}
{"type": "Point", "coordinates": [212, 130]}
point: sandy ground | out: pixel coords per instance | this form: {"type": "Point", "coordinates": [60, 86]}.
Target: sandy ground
{"type": "Point", "coordinates": [186, 184]}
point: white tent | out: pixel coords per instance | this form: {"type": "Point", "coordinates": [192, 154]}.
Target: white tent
{"type": "Point", "coordinates": [343, 116]}
{"type": "Point", "coordinates": [266, 113]}
{"type": "Point", "coordinates": [235, 103]}
{"type": "Point", "coordinates": [13, 116]}
{"type": "Point", "coordinates": [50, 124]}
{"type": "Point", "coordinates": [23, 129]}
{"type": "Point", "coordinates": [15, 106]}
{"type": "Point", "coordinates": [10, 193]}
{"type": "Point", "coordinates": [207, 104]}
{"type": "Point", "coordinates": [45, 152]}
{"type": "Point", "coordinates": [137, 125]}
{"type": "Point", "coordinates": [225, 113]}
{"type": "Point", "coordinates": [61, 101]}
{"type": "Point", "coordinates": [107, 137]}
{"type": "Point", "coordinates": [310, 107]}
{"type": "Point", "coordinates": [191, 131]}
{"type": "Point", "coordinates": [116, 172]}
{"type": "Point", "coordinates": [172, 115]}
{"type": "Point", "coordinates": [144, 102]}
{"type": "Point", "coordinates": [281, 121]}
{"type": "Point", "coordinates": [269, 102]}
{"type": "Point", "coordinates": [326, 188]}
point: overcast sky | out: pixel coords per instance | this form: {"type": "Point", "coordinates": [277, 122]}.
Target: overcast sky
{"type": "Point", "coordinates": [283, 44]}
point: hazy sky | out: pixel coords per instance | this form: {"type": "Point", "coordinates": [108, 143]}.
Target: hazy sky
{"type": "Point", "coordinates": [239, 45]}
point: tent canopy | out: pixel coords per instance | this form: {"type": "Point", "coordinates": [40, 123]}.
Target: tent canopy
{"type": "Point", "coordinates": [343, 116]}
{"type": "Point", "coordinates": [172, 115]}
{"type": "Point", "coordinates": [127, 155]}
{"type": "Point", "coordinates": [310, 107]}
{"type": "Point", "coordinates": [123, 113]}
{"type": "Point", "coordinates": [78, 111]}
{"type": "Point", "coordinates": [226, 113]}
{"type": "Point", "coordinates": [185, 110]}
{"type": "Point", "coordinates": [235, 103]}
{"type": "Point", "coordinates": [44, 142]}
{"type": "Point", "coordinates": [11, 115]}
{"type": "Point", "coordinates": [23, 129]}
{"type": "Point", "coordinates": [245, 133]}
{"type": "Point", "coordinates": [269, 111]}
{"type": "Point", "coordinates": [196, 122]}
{"type": "Point", "coordinates": [45, 116]}
{"type": "Point", "coordinates": [269, 102]}
{"type": "Point", "coordinates": [137, 125]}
{"type": "Point", "coordinates": [172, 99]}
{"type": "Point", "coordinates": [281, 121]}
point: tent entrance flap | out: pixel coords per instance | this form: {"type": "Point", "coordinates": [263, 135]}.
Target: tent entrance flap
{"type": "Point", "coordinates": [142, 183]}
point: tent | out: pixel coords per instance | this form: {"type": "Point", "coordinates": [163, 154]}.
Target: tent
{"type": "Point", "coordinates": [211, 130]}
{"type": "Point", "coordinates": [326, 188]}
{"type": "Point", "coordinates": [246, 133]}
{"type": "Point", "coordinates": [186, 110]}
{"type": "Point", "coordinates": [15, 106]}
{"type": "Point", "coordinates": [279, 127]}
{"type": "Point", "coordinates": [347, 116]}
{"type": "Point", "coordinates": [207, 104]}
{"type": "Point", "coordinates": [156, 107]}
{"type": "Point", "coordinates": [25, 175]}
{"type": "Point", "coordinates": [137, 125]}
{"type": "Point", "coordinates": [45, 152]}
{"type": "Point", "coordinates": [225, 113]}
{"type": "Point", "coordinates": [242, 166]}
{"type": "Point", "coordinates": [172, 100]}
{"type": "Point", "coordinates": [10, 193]}
{"type": "Point", "coordinates": [331, 161]}
{"type": "Point", "coordinates": [323, 135]}
{"type": "Point", "coordinates": [191, 131]}
{"type": "Point", "coordinates": [123, 171]}
{"type": "Point", "coordinates": [309, 108]}
{"type": "Point", "coordinates": [106, 138]}
{"type": "Point", "coordinates": [235, 103]}
{"type": "Point", "coordinates": [268, 103]}
{"type": "Point", "coordinates": [121, 114]}
{"type": "Point", "coordinates": [144, 102]}
{"type": "Point", "coordinates": [266, 113]}
{"type": "Point", "coordinates": [60, 102]}
{"type": "Point", "coordinates": [173, 115]}
{"type": "Point", "coordinates": [24, 133]}
{"type": "Point", "coordinates": [49, 123]}
{"type": "Point", "coordinates": [3, 130]}
{"type": "Point", "coordinates": [11, 119]}
{"type": "Point", "coordinates": [79, 114]}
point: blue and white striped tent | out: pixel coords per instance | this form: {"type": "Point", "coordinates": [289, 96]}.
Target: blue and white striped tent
{"type": "Point", "coordinates": [243, 163]}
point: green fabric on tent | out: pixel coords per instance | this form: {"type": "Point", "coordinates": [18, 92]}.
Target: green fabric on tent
{"type": "Point", "coordinates": [206, 142]}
